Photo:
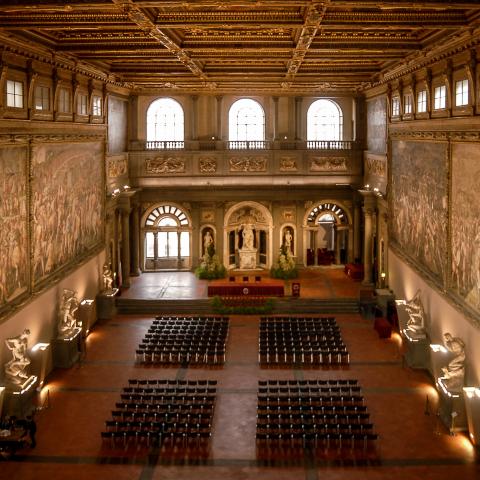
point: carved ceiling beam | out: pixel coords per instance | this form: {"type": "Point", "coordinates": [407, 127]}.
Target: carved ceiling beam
{"type": "Point", "coordinates": [313, 18]}
{"type": "Point", "coordinates": [136, 15]}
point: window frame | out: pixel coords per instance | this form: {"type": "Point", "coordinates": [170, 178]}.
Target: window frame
{"type": "Point", "coordinates": [316, 127]}
{"type": "Point", "coordinates": [44, 100]}
{"type": "Point", "coordinates": [15, 83]}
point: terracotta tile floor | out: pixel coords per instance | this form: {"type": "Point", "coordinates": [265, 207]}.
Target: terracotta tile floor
{"type": "Point", "coordinates": [411, 446]}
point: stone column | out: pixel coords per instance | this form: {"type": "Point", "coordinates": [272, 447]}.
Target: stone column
{"type": "Point", "coordinates": [155, 248]}
{"type": "Point", "coordinates": [125, 247]}
{"type": "Point", "coordinates": [368, 212]}
{"type": "Point", "coordinates": [219, 117]}
{"type": "Point", "coordinates": [298, 118]}
{"type": "Point", "coordinates": [337, 244]}
{"type": "Point", "coordinates": [135, 271]}
{"type": "Point", "coordinates": [275, 118]}
{"type": "Point", "coordinates": [356, 232]}
{"type": "Point", "coordinates": [179, 253]}
{"type": "Point", "coordinates": [116, 239]}
{"type": "Point", "coordinates": [194, 119]}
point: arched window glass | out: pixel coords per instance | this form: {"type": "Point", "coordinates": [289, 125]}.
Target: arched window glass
{"type": "Point", "coordinates": [324, 121]}
{"type": "Point", "coordinates": [165, 121]}
{"type": "Point", "coordinates": [246, 121]}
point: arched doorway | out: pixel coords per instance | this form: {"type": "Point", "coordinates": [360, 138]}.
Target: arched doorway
{"type": "Point", "coordinates": [327, 234]}
{"type": "Point", "coordinates": [166, 231]}
{"type": "Point", "coordinates": [248, 237]}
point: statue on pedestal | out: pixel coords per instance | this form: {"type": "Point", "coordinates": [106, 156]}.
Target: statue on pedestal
{"type": "Point", "coordinates": [67, 325]}
{"type": "Point", "coordinates": [107, 278]}
{"type": "Point", "coordinates": [16, 368]}
{"type": "Point", "coordinates": [416, 315]}
{"type": "Point", "coordinates": [454, 373]}
{"type": "Point", "coordinates": [247, 234]}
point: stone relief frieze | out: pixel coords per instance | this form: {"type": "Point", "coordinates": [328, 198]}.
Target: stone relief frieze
{"type": "Point", "coordinates": [248, 164]}
{"type": "Point", "coordinates": [207, 165]}
{"type": "Point", "coordinates": [207, 216]}
{"type": "Point", "coordinates": [288, 214]}
{"type": "Point", "coordinates": [161, 165]}
{"type": "Point", "coordinates": [328, 164]}
{"type": "Point", "coordinates": [376, 166]}
{"type": "Point", "coordinates": [288, 164]}
{"type": "Point", "coordinates": [116, 167]}
{"type": "Point", "coordinates": [247, 215]}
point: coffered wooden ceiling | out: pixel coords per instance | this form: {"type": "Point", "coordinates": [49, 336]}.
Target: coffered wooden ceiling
{"type": "Point", "coordinates": [247, 46]}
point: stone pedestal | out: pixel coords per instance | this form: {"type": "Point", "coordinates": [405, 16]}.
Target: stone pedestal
{"type": "Point", "coordinates": [87, 315]}
{"type": "Point", "coordinates": [66, 350]}
{"type": "Point", "coordinates": [471, 397]}
{"type": "Point", "coordinates": [106, 308]}
{"type": "Point", "coordinates": [451, 403]}
{"type": "Point", "coordinates": [19, 398]}
{"type": "Point", "coordinates": [417, 349]}
{"type": "Point", "coordinates": [383, 296]}
{"type": "Point", "coordinates": [248, 258]}
{"type": "Point", "coordinates": [2, 396]}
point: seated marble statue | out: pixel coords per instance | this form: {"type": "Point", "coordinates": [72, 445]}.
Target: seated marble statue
{"type": "Point", "coordinates": [16, 369]}
{"type": "Point", "coordinates": [416, 315]}
{"type": "Point", "coordinates": [454, 372]}
{"type": "Point", "coordinates": [247, 234]}
{"type": "Point", "coordinates": [67, 325]}
{"type": "Point", "coordinates": [107, 277]}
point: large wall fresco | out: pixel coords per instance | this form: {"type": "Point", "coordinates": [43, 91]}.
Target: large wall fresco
{"type": "Point", "coordinates": [465, 222]}
{"type": "Point", "coordinates": [420, 202]}
{"type": "Point", "coordinates": [67, 204]}
{"type": "Point", "coordinates": [14, 269]}
{"type": "Point", "coordinates": [377, 125]}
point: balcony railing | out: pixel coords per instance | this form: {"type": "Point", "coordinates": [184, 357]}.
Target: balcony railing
{"type": "Point", "coordinates": [248, 145]}
{"type": "Point", "coordinates": [165, 145]}
{"type": "Point", "coordinates": [329, 144]}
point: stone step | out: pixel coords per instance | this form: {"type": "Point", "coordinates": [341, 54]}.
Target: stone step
{"type": "Point", "coordinates": [203, 306]}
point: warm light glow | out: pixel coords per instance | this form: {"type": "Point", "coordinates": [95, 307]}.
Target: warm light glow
{"type": "Point", "coordinates": [465, 443]}
{"type": "Point", "coordinates": [40, 346]}
{"type": "Point", "coordinates": [438, 348]}
{"type": "Point", "coordinates": [400, 302]}
{"type": "Point", "coordinates": [27, 385]}
{"type": "Point", "coordinates": [444, 388]}
{"type": "Point", "coordinates": [74, 335]}
{"type": "Point", "coordinates": [472, 391]}
{"type": "Point", "coordinates": [126, 187]}
{"type": "Point", "coordinates": [383, 274]}
{"type": "Point", "coordinates": [2, 389]}
{"type": "Point", "coordinates": [86, 301]}
{"type": "Point", "coordinates": [430, 391]}
{"type": "Point", "coordinates": [397, 338]}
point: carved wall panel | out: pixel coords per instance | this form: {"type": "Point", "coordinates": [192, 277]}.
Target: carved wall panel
{"type": "Point", "coordinates": [465, 221]}
{"type": "Point", "coordinates": [419, 202]}
{"type": "Point", "coordinates": [376, 165]}
{"type": "Point", "coordinates": [328, 164]}
{"type": "Point", "coordinates": [117, 167]}
{"type": "Point", "coordinates": [14, 267]}
{"type": "Point", "coordinates": [248, 164]}
{"type": "Point", "coordinates": [207, 165]}
{"type": "Point", "coordinates": [288, 164]}
{"type": "Point", "coordinates": [161, 165]}
{"type": "Point", "coordinates": [67, 204]}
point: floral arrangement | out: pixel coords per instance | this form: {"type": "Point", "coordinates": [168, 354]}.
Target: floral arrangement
{"type": "Point", "coordinates": [242, 306]}
{"type": "Point", "coordinates": [285, 267]}
{"type": "Point", "coordinates": [211, 266]}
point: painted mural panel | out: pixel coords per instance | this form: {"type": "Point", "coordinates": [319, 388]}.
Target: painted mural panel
{"type": "Point", "coordinates": [377, 124]}
{"type": "Point", "coordinates": [419, 202]}
{"type": "Point", "coordinates": [465, 218]}
{"type": "Point", "coordinates": [13, 223]}
{"type": "Point", "coordinates": [67, 204]}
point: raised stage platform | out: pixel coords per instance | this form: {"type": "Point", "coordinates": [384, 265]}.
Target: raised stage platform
{"type": "Point", "coordinates": [244, 285]}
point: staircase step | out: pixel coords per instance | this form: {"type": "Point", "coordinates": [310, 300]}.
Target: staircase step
{"type": "Point", "coordinates": [203, 306]}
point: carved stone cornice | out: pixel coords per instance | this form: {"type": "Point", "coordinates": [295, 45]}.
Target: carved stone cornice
{"type": "Point", "coordinates": [470, 136]}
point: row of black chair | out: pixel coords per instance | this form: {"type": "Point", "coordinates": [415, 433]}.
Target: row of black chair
{"type": "Point", "coordinates": [290, 341]}
{"type": "Point", "coordinates": [302, 415]}
{"type": "Point", "coordinates": [175, 418]}
{"type": "Point", "coordinates": [188, 340]}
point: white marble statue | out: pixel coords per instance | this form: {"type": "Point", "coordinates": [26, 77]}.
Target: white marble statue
{"type": "Point", "coordinates": [107, 277]}
{"type": "Point", "coordinates": [288, 241]}
{"type": "Point", "coordinates": [16, 368]}
{"type": "Point", "coordinates": [247, 234]}
{"type": "Point", "coordinates": [454, 373]}
{"type": "Point", "coordinates": [68, 324]}
{"type": "Point", "coordinates": [207, 241]}
{"type": "Point", "coordinates": [416, 315]}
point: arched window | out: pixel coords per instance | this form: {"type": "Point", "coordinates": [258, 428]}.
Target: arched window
{"type": "Point", "coordinates": [246, 124]}
{"type": "Point", "coordinates": [324, 121]}
{"type": "Point", "coordinates": [165, 124]}
{"type": "Point", "coordinates": [167, 238]}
